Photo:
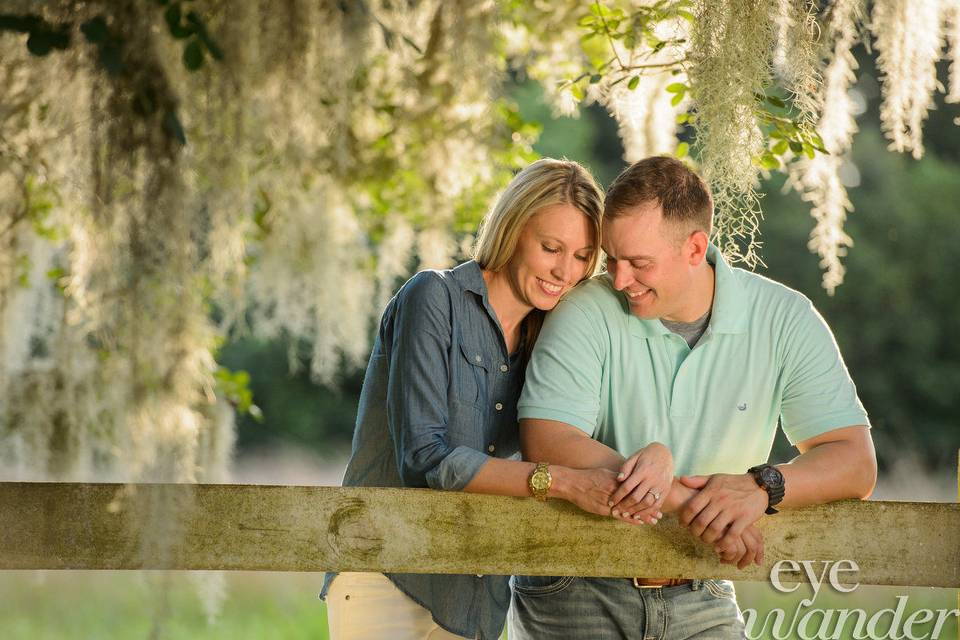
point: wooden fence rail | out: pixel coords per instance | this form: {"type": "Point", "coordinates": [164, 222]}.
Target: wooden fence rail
{"type": "Point", "coordinates": [284, 528]}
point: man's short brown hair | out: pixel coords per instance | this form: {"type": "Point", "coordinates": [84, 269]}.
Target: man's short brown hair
{"type": "Point", "coordinates": [682, 195]}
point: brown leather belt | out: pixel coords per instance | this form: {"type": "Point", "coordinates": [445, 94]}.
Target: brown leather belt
{"type": "Point", "coordinates": [657, 583]}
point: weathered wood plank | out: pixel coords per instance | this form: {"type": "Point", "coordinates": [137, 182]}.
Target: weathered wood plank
{"type": "Point", "coordinates": [277, 528]}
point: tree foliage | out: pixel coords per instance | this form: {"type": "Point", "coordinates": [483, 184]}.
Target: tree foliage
{"type": "Point", "coordinates": [179, 171]}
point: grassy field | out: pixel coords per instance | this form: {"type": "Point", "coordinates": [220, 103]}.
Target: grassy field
{"type": "Point", "coordinates": [123, 605]}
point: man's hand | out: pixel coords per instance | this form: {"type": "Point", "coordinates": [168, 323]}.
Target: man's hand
{"type": "Point", "coordinates": [647, 472]}
{"type": "Point", "coordinates": [742, 550]}
{"type": "Point", "coordinates": [721, 513]}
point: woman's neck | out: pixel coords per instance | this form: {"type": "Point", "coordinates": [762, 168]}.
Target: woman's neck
{"type": "Point", "coordinates": [507, 306]}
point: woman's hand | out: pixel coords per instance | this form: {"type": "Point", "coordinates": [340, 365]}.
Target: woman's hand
{"type": "Point", "coordinates": [589, 489]}
{"type": "Point", "coordinates": [645, 480]}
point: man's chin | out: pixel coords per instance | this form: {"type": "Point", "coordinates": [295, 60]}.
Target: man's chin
{"type": "Point", "coordinates": [644, 313]}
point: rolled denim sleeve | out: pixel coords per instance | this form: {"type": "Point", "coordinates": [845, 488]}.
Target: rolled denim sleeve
{"type": "Point", "coordinates": [456, 470]}
{"type": "Point", "coordinates": [417, 390]}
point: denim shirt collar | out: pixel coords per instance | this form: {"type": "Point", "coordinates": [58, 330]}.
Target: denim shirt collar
{"type": "Point", "coordinates": [470, 278]}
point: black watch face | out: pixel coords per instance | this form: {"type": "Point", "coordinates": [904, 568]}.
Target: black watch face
{"type": "Point", "coordinates": [771, 476]}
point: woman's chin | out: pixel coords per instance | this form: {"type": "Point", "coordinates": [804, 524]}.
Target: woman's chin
{"type": "Point", "coordinates": [546, 303]}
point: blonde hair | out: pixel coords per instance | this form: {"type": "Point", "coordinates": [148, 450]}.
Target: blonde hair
{"type": "Point", "coordinates": [544, 183]}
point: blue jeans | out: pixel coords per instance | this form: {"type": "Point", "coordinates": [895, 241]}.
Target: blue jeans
{"type": "Point", "coordinates": [594, 608]}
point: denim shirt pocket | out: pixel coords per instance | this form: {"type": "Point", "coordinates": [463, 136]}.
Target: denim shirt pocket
{"type": "Point", "coordinates": [471, 377]}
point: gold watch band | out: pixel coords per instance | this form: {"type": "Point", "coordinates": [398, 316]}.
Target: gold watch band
{"type": "Point", "coordinates": [540, 481]}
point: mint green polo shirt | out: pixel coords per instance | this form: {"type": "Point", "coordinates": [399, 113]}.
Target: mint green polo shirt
{"type": "Point", "coordinates": [767, 355]}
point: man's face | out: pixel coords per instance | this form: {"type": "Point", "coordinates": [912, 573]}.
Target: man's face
{"type": "Point", "coordinates": [648, 262]}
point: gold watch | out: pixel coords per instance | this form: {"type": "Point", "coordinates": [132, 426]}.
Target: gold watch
{"type": "Point", "coordinates": [540, 481]}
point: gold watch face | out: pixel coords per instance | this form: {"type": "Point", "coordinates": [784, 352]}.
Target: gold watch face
{"type": "Point", "coordinates": [540, 481]}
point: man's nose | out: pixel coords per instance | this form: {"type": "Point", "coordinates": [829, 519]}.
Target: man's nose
{"type": "Point", "coordinates": [621, 278]}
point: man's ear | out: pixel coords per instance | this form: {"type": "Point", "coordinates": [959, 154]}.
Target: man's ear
{"type": "Point", "coordinates": [695, 247]}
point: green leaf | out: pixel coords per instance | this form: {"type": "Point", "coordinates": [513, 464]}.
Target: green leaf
{"type": "Point", "coordinates": [21, 24]}
{"type": "Point", "coordinates": [595, 78]}
{"type": "Point", "coordinates": [111, 59]}
{"type": "Point", "coordinates": [576, 91]}
{"type": "Point", "coordinates": [686, 15]}
{"type": "Point", "coordinates": [95, 30]}
{"type": "Point", "coordinates": [599, 10]}
{"type": "Point", "coordinates": [174, 16]}
{"type": "Point", "coordinates": [43, 41]}
{"type": "Point", "coordinates": [808, 149]}
{"type": "Point", "coordinates": [682, 118]}
{"type": "Point", "coordinates": [796, 147]}
{"type": "Point", "coordinates": [38, 44]}
{"type": "Point", "coordinates": [145, 102]}
{"type": "Point", "coordinates": [777, 102]}
{"type": "Point", "coordinates": [769, 161]}
{"type": "Point", "coordinates": [677, 99]}
{"type": "Point", "coordinates": [193, 55]}
{"type": "Point", "coordinates": [682, 150]}
{"type": "Point", "coordinates": [171, 124]}
{"type": "Point", "coordinates": [197, 25]}
{"type": "Point", "coordinates": [677, 87]}
{"type": "Point", "coordinates": [634, 81]}
{"type": "Point", "coordinates": [586, 20]}
{"type": "Point", "coordinates": [780, 148]}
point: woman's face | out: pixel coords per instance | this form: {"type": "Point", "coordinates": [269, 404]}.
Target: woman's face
{"type": "Point", "coordinates": [552, 255]}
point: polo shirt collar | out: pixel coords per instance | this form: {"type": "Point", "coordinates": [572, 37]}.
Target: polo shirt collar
{"type": "Point", "coordinates": [729, 303]}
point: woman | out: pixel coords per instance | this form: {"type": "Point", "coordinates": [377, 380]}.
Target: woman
{"type": "Point", "coordinates": [438, 406]}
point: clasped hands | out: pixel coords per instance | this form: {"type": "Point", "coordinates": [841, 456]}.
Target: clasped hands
{"type": "Point", "coordinates": [719, 509]}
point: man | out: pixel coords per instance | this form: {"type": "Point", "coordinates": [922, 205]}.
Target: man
{"type": "Point", "coordinates": [673, 345]}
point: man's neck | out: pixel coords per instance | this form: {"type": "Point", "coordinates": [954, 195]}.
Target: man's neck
{"type": "Point", "coordinates": [700, 300]}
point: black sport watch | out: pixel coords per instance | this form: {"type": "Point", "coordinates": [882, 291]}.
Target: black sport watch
{"type": "Point", "coordinates": [770, 480]}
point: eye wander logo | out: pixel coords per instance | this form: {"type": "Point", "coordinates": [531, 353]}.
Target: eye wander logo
{"type": "Point", "coordinates": [809, 623]}
{"type": "Point", "coordinates": [742, 406]}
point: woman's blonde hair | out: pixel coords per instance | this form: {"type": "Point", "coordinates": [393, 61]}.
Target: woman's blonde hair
{"type": "Point", "coordinates": [544, 183]}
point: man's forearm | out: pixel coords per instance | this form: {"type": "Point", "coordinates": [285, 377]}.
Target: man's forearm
{"type": "Point", "coordinates": [559, 443]}
{"type": "Point", "coordinates": [830, 471]}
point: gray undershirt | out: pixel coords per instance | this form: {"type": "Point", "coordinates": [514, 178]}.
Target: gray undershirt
{"type": "Point", "coordinates": [689, 331]}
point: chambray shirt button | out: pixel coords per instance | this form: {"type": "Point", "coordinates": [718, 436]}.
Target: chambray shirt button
{"type": "Point", "coordinates": [499, 406]}
{"type": "Point", "coordinates": [504, 368]}
{"type": "Point", "coordinates": [478, 358]}
{"type": "Point", "coordinates": [491, 448]}
{"type": "Point", "coordinates": [479, 575]}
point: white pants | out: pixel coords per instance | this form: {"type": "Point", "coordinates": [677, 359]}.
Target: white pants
{"type": "Point", "coordinates": [367, 606]}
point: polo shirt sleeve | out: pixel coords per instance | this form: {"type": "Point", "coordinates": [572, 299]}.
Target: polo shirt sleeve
{"type": "Point", "coordinates": [564, 374]}
{"type": "Point", "coordinates": [818, 393]}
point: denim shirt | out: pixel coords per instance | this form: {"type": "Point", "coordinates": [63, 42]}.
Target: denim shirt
{"type": "Point", "coordinates": [439, 398]}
